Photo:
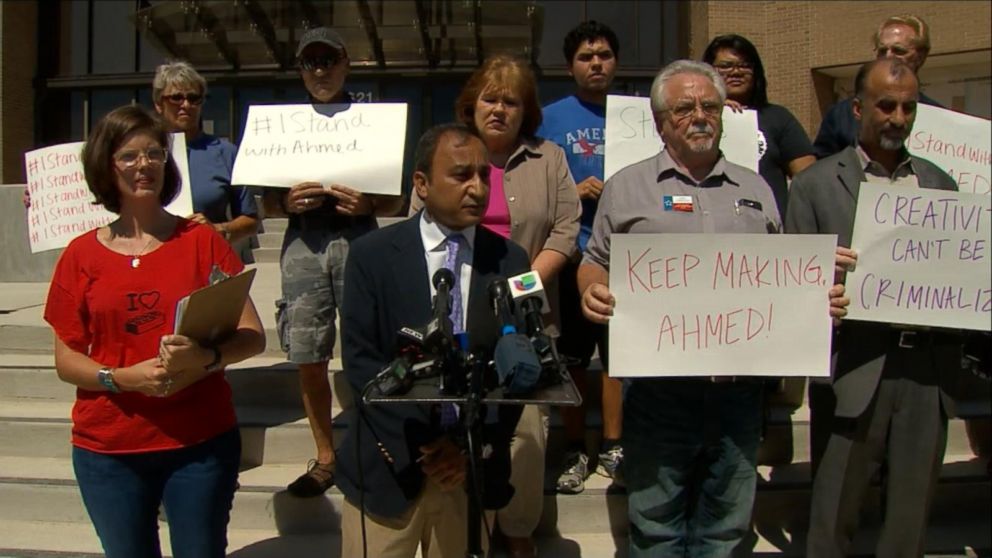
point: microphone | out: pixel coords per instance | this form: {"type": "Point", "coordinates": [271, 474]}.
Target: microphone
{"type": "Point", "coordinates": [438, 334]}
{"type": "Point", "coordinates": [527, 285]}
{"type": "Point", "coordinates": [528, 294]}
{"type": "Point", "coordinates": [517, 365]}
{"type": "Point", "coordinates": [499, 295]}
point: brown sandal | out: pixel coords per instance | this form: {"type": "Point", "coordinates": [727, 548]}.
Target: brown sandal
{"type": "Point", "coordinates": [318, 478]}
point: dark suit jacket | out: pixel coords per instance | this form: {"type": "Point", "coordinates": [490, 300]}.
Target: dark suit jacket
{"type": "Point", "coordinates": [387, 287]}
{"type": "Point", "coordinates": [839, 129]}
{"type": "Point", "coordinates": [822, 199]}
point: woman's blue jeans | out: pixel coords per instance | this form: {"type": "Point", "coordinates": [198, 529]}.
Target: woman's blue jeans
{"type": "Point", "coordinates": [122, 493]}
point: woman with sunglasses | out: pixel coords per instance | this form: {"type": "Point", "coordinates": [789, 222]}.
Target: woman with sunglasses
{"type": "Point", "coordinates": [784, 147]}
{"type": "Point", "coordinates": [178, 92]}
{"type": "Point", "coordinates": [153, 421]}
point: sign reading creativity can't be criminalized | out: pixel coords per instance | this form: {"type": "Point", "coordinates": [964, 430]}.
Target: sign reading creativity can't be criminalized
{"type": "Point", "coordinates": [720, 304]}
{"type": "Point", "coordinates": [923, 258]}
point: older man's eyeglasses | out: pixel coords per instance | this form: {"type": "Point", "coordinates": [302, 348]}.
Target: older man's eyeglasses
{"type": "Point", "coordinates": [130, 158]}
{"type": "Point", "coordinates": [313, 63]}
{"type": "Point", "coordinates": [179, 98]}
{"type": "Point", "coordinates": [729, 67]}
{"type": "Point", "coordinates": [685, 110]}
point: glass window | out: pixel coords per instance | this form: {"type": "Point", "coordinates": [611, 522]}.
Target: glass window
{"type": "Point", "coordinates": [79, 32]}
{"type": "Point", "coordinates": [113, 37]}
{"type": "Point", "coordinates": [103, 101]}
{"type": "Point", "coordinates": [559, 18]}
{"type": "Point", "coordinates": [411, 93]}
{"type": "Point", "coordinates": [77, 102]}
{"type": "Point", "coordinates": [216, 114]}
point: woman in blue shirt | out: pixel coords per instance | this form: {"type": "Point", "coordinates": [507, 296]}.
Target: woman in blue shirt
{"type": "Point", "coordinates": [178, 92]}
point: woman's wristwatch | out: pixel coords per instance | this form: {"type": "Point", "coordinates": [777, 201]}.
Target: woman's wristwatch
{"type": "Point", "coordinates": [106, 377]}
{"type": "Point", "coordinates": [216, 364]}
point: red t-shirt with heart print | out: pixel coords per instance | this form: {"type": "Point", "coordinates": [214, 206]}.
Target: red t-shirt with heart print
{"type": "Point", "coordinates": [101, 306]}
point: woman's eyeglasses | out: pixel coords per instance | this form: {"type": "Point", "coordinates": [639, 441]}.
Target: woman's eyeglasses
{"type": "Point", "coordinates": [178, 98]}
{"type": "Point", "coordinates": [728, 67]}
{"type": "Point", "coordinates": [130, 158]}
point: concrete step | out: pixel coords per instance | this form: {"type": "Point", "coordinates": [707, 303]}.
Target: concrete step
{"type": "Point", "coordinates": [267, 396]}
{"type": "Point", "coordinates": [48, 539]}
{"type": "Point", "coordinates": [270, 240]}
{"type": "Point", "coordinates": [266, 255]}
{"type": "Point", "coordinates": [275, 225]}
{"type": "Point", "coordinates": [45, 492]}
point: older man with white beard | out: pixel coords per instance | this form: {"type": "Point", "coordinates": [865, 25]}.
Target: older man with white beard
{"type": "Point", "coordinates": [690, 443]}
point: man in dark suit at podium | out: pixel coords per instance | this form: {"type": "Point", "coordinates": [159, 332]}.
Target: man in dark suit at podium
{"type": "Point", "coordinates": [399, 461]}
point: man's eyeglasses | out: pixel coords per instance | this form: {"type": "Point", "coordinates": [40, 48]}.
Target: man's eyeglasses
{"type": "Point", "coordinates": [178, 98]}
{"type": "Point", "coordinates": [728, 67]}
{"type": "Point", "coordinates": [314, 63]}
{"type": "Point", "coordinates": [130, 158]}
{"type": "Point", "coordinates": [686, 110]}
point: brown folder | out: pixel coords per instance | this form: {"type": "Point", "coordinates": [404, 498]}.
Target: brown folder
{"type": "Point", "coordinates": [210, 314]}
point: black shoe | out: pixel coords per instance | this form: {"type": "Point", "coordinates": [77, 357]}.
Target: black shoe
{"type": "Point", "coordinates": [318, 478]}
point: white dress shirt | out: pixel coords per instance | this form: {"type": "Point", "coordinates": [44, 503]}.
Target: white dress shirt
{"type": "Point", "coordinates": [434, 235]}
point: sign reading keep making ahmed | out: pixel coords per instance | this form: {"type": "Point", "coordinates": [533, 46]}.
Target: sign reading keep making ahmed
{"type": "Point", "coordinates": [720, 304]}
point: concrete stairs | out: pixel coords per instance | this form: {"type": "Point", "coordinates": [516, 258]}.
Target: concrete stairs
{"type": "Point", "coordinates": [41, 513]}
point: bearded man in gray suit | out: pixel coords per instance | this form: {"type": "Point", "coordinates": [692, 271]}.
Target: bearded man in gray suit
{"type": "Point", "coordinates": [890, 380]}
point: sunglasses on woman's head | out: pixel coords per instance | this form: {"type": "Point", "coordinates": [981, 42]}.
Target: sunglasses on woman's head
{"type": "Point", "coordinates": [178, 98]}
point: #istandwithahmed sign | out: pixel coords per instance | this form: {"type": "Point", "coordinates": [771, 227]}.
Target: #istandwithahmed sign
{"type": "Point", "coordinates": [720, 304]}
{"type": "Point", "coordinates": [923, 258]}
{"type": "Point", "coordinates": [358, 145]}
{"type": "Point", "coordinates": [62, 206]}
{"type": "Point", "coordinates": [959, 144]}
{"type": "Point", "coordinates": [631, 135]}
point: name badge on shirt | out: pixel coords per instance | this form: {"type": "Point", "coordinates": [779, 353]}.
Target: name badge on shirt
{"type": "Point", "coordinates": [746, 203]}
{"type": "Point", "coordinates": [678, 203]}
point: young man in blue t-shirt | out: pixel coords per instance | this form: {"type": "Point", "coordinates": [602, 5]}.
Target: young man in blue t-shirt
{"type": "Point", "coordinates": [577, 123]}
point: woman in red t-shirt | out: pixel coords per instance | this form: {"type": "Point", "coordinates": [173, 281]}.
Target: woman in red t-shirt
{"type": "Point", "coordinates": [153, 420]}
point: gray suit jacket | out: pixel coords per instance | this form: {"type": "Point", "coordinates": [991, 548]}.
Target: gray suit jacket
{"type": "Point", "coordinates": [822, 199]}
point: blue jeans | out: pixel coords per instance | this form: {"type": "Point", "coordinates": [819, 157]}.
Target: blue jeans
{"type": "Point", "coordinates": [690, 451]}
{"type": "Point", "coordinates": [122, 493]}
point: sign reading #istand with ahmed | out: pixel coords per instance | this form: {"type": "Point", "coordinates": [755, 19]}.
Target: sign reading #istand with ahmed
{"type": "Point", "coordinates": [631, 135]}
{"type": "Point", "coordinates": [62, 206]}
{"type": "Point", "coordinates": [358, 145]}
{"type": "Point", "coordinates": [959, 144]}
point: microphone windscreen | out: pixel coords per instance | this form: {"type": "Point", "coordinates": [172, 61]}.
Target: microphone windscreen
{"type": "Point", "coordinates": [517, 365]}
{"type": "Point", "coordinates": [443, 275]}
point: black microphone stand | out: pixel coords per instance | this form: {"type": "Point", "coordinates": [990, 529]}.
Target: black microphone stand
{"type": "Point", "coordinates": [425, 391]}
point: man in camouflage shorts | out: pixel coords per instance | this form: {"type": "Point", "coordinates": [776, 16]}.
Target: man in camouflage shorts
{"type": "Point", "coordinates": [323, 220]}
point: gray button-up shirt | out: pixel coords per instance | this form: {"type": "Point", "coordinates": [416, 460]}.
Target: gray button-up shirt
{"type": "Point", "coordinates": [655, 196]}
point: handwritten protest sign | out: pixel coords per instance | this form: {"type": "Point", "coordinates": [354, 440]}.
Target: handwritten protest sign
{"type": "Point", "coordinates": [355, 145]}
{"type": "Point", "coordinates": [62, 206]}
{"type": "Point", "coordinates": [631, 135]}
{"type": "Point", "coordinates": [959, 144]}
{"type": "Point", "coordinates": [720, 304]}
{"type": "Point", "coordinates": [923, 258]}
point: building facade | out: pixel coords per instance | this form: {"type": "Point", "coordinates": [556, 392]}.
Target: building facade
{"type": "Point", "coordinates": [65, 63]}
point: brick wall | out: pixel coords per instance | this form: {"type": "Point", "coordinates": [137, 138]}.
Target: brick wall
{"type": "Point", "coordinates": [796, 36]}
{"type": "Point", "coordinates": [18, 55]}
